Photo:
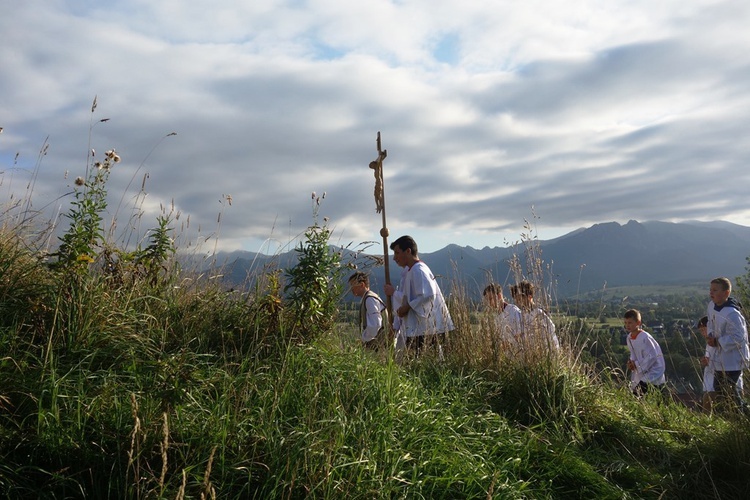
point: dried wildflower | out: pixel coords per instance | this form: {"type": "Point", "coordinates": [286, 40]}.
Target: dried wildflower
{"type": "Point", "coordinates": [80, 181]}
{"type": "Point", "coordinates": [110, 154]}
{"type": "Point", "coordinates": [229, 199]}
{"type": "Point", "coordinates": [116, 158]}
{"type": "Point", "coordinates": [93, 152]}
{"type": "Point", "coordinates": [313, 195]}
{"type": "Point", "coordinates": [98, 165]}
{"type": "Point", "coordinates": [85, 258]}
{"type": "Point", "coordinates": [325, 219]}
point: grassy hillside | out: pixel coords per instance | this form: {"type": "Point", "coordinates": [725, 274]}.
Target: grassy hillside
{"type": "Point", "coordinates": [142, 381]}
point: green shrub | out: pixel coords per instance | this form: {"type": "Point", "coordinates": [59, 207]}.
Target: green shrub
{"type": "Point", "coordinates": [313, 285]}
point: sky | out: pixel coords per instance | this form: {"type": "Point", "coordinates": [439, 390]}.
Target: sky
{"type": "Point", "coordinates": [501, 120]}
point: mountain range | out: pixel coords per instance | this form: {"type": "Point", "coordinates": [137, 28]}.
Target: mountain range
{"type": "Point", "coordinates": [607, 254]}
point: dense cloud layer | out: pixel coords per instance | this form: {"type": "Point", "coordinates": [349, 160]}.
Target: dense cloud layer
{"type": "Point", "coordinates": [609, 111]}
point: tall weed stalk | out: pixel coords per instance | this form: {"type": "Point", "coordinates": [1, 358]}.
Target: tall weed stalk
{"type": "Point", "coordinates": [313, 285]}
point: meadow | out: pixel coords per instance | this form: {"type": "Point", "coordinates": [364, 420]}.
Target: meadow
{"type": "Point", "coordinates": [124, 375]}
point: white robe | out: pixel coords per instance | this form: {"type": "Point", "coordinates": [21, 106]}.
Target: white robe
{"type": "Point", "coordinates": [537, 328]}
{"type": "Point", "coordinates": [429, 313]}
{"type": "Point", "coordinates": [508, 323]}
{"type": "Point", "coordinates": [730, 330]}
{"type": "Point", "coordinates": [646, 353]}
{"type": "Point", "coordinates": [709, 369]}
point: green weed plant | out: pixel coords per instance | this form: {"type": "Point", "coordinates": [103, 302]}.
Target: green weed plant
{"type": "Point", "coordinates": [314, 284]}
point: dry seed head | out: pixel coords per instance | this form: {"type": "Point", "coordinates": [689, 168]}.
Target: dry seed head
{"type": "Point", "coordinates": [80, 181]}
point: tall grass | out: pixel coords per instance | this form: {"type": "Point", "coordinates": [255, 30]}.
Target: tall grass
{"type": "Point", "coordinates": [143, 392]}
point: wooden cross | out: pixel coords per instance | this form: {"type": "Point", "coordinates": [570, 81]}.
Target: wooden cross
{"type": "Point", "coordinates": [377, 166]}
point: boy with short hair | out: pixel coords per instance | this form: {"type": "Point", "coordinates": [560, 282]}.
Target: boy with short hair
{"type": "Point", "coordinates": [727, 332]}
{"type": "Point", "coordinates": [646, 363]}
{"type": "Point", "coordinates": [371, 308]}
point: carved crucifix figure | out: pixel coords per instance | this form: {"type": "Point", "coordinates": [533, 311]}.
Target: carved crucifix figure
{"type": "Point", "coordinates": [377, 167]}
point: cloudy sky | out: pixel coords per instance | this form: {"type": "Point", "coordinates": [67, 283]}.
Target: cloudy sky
{"type": "Point", "coordinates": [564, 114]}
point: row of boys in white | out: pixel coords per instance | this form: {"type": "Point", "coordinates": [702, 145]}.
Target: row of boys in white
{"type": "Point", "coordinates": [419, 288]}
{"type": "Point", "coordinates": [732, 353]}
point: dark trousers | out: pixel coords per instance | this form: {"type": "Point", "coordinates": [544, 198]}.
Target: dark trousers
{"type": "Point", "coordinates": [643, 387]}
{"type": "Point", "coordinates": [419, 344]}
{"type": "Point", "coordinates": [725, 385]}
{"type": "Point", "coordinates": [373, 345]}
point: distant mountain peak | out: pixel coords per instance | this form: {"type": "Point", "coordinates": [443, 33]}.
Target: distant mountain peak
{"type": "Point", "coordinates": [648, 253]}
